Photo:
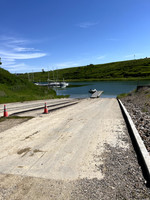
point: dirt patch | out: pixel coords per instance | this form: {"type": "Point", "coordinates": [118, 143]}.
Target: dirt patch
{"type": "Point", "coordinates": [24, 151]}
{"type": "Point", "coordinates": [7, 123]}
{"type": "Point", "coordinates": [37, 150]}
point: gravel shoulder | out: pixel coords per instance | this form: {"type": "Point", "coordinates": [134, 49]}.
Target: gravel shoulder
{"type": "Point", "coordinates": [138, 105]}
{"type": "Point", "coordinates": [79, 152]}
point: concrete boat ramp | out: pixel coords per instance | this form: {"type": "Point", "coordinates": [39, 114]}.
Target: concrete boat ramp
{"type": "Point", "coordinates": [78, 152]}
{"type": "Point", "coordinates": [96, 94]}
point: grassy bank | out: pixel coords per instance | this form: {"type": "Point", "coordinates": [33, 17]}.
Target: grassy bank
{"type": "Point", "coordinates": [16, 89]}
{"type": "Point", "coordinates": [20, 93]}
{"type": "Point", "coordinates": [124, 70]}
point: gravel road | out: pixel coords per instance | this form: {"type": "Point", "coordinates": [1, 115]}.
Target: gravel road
{"type": "Point", "coordinates": [79, 152]}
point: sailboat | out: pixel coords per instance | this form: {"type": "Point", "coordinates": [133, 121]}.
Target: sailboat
{"type": "Point", "coordinates": [63, 83]}
{"type": "Point", "coordinates": [57, 83]}
{"type": "Point", "coordinates": [53, 83]}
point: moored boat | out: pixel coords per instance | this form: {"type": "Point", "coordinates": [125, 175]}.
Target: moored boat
{"type": "Point", "coordinates": [53, 84]}
{"type": "Point", "coordinates": [92, 91]}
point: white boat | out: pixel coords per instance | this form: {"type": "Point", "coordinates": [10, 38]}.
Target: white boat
{"type": "Point", "coordinates": [63, 84]}
{"type": "Point", "coordinates": [53, 84]}
{"type": "Point", "coordinates": [92, 91]}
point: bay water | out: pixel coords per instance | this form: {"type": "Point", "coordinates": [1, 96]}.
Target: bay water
{"type": "Point", "coordinates": [110, 88]}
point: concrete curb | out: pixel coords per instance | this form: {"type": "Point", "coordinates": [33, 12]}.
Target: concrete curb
{"type": "Point", "coordinates": [140, 147]}
{"type": "Point", "coordinates": [38, 108]}
{"type": "Point", "coordinates": [59, 106]}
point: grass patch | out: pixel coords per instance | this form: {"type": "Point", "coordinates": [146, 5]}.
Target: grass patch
{"type": "Point", "coordinates": [148, 95]}
{"type": "Point", "coordinates": [15, 117]}
{"type": "Point", "coordinates": [25, 93]}
{"type": "Point", "coordinates": [122, 95]}
{"type": "Point", "coordinates": [144, 109]}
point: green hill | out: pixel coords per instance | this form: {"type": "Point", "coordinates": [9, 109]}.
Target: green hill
{"type": "Point", "coordinates": [124, 70]}
{"type": "Point", "coordinates": [14, 88]}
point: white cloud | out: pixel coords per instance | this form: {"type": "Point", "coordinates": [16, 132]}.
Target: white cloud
{"type": "Point", "coordinates": [15, 67]}
{"type": "Point", "coordinates": [100, 57]}
{"type": "Point", "coordinates": [20, 56]}
{"type": "Point", "coordinates": [8, 61]}
{"type": "Point", "coordinates": [22, 67]}
{"type": "Point", "coordinates": [13, 49]}
{"type": "Point", "coordinates": [87, 24]}
{"type": "Point", "coordinates": [22, 49]}
{"type": "Point", "coordinates": [66, 64]}
{"type": "Point", "coordinates": [11, 42]}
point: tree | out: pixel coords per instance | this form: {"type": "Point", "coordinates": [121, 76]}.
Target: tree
{"type": "Point", "coordinates": [90, 65]}
{"type": "Point", "coordinates": [0, 61]}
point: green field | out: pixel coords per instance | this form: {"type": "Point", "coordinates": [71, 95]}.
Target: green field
{"type": "Point", "coordinates": [16, 89]}
{"type": "Point", "coordinates": [124, 70]}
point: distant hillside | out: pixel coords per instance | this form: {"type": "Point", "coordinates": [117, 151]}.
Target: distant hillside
{"type": "Point", "coordinates": [132, 69]}
{"type": "Point", "coordinates": [14, 88]}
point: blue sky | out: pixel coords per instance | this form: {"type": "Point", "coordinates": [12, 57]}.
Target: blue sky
{"type": "Point", "coordinates": [55, 34]}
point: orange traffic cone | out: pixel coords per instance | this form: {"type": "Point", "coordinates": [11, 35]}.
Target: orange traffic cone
{"type": "Point", "coordinates": [45, 109]}
{"type": "Point", "coordinates": [5, 112]}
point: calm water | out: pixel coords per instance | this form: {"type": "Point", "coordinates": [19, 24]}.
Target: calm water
{"type": "Point", "coordinates": [110, 88]}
